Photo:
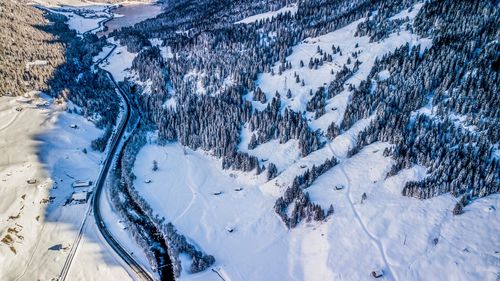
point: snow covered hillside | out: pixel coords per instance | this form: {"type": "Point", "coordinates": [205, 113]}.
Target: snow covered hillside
{"type": "Point", "coordinates": [255, 140]}
{"type": "Point", "coordinates": [292, 9]}
{"type": "Point", "coordinates": [230, 214]}
{"type": "Point", "coordinates": [407, 238]}
{"type": "Point", "coordinates": [46, 150]}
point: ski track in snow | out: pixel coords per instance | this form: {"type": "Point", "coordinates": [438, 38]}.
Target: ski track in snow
{"type": "Point", "coordinates": [11, 121]}
{"type": "Point", "coordinates": [32, 255]}
{"type": "Point", "coordinates": [190, 185]}
{"type": "Point", "coordinates": [372, 237]}
{"type": "Point", "coordinates": [362, 224]}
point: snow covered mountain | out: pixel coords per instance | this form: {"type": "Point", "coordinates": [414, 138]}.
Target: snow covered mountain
{"type": "Point", "coordinates": [358, 123]}
{"type": "Point", "coordinates": [281, 140]}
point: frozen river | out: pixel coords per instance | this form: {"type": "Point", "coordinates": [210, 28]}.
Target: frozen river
{"type": "Point", "coordinates": [130, 14]}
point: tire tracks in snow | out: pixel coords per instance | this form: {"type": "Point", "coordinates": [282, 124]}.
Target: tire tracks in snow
{"type": "Point", "coordinates": [31, 255]}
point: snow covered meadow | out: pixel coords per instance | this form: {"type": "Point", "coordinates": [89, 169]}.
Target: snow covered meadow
{"type": "Point", "coordinates": [51, 147]}
{"type": "Point", "coordinates": [408, 239]}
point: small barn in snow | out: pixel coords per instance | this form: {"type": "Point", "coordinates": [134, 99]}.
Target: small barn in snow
{"type": "Point", "coordinates": [81, 183]}
{"type": "Point", "coordinates": [80, 197]}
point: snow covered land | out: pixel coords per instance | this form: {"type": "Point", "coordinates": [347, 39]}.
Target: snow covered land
{"type": "Point", "coordinates": [119, 62]}
{"type": "Point", "coordinates": [407, 238]}
{"type": "Point", "coordinates": [215, 145]}
{"type": "Point", "coordinates": [87, 19]}
{"type": "Point", "coordinates": [46, 149]}
{"type": "Point", "coordinates": [229, 214]}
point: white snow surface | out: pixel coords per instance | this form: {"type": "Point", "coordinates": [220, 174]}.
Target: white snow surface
{"type": "Point", "coordinates": [388, 231]}
{"type": "Point", "coordinates": [119, 62]}
{"type": "Point", "coordinates": [105, 51]}
{"type": "Point", "coordinates": [38, 143]}
{"type": "Point", "coordinates": [81, 24]}
{"type": "Point", "coordinates": [406, 238]}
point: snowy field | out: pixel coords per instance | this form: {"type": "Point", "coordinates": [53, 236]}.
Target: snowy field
{"type": "Point", "coordinates": [44, 143]}
{"type": "Point", "coordinates": [406, 238]}
{"type": "Point", "coordinates": [119, 62]}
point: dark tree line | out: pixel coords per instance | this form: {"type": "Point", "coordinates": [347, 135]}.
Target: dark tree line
{"type": "Point", "coordinates": [379, 25]}
{"type": "Point", "coordinates": [178, 244]}
{"type": "Point", "coordinates": [270, 124]}
{"type": "Point", "coordinates": [25, 38]}
{"type": "Point", "coordinates": [132, 39]}
{"type": "Point", "coordinates": [299, 201]}
{"type": "Point", "coordinates": [457, 75]}
{"type": "Point", "coordinates": [130, 207]}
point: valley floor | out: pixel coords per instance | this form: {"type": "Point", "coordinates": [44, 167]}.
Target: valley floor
{"type": "Point", "coordinates": [406, 238]}
{"type": "Point", "coordinates": [38, 143]}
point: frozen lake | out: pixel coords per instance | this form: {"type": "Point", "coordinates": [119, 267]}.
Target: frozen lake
{"type": "Point", "coordinates": [130, 14]}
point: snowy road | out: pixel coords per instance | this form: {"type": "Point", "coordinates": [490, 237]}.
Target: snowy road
{"type": "Point", "coordinates": [94, 205]}
{"type": "Point", "coordinates": [127, 258]}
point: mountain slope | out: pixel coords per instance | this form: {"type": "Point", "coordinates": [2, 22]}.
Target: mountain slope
{"type": "Point", "coordinates": [28, 53]}
{"type": "Point", "coordinates": [333, 115]}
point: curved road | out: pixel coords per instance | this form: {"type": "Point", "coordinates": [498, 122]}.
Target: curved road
{"type": "Point", "coordinates": [142, 273]}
